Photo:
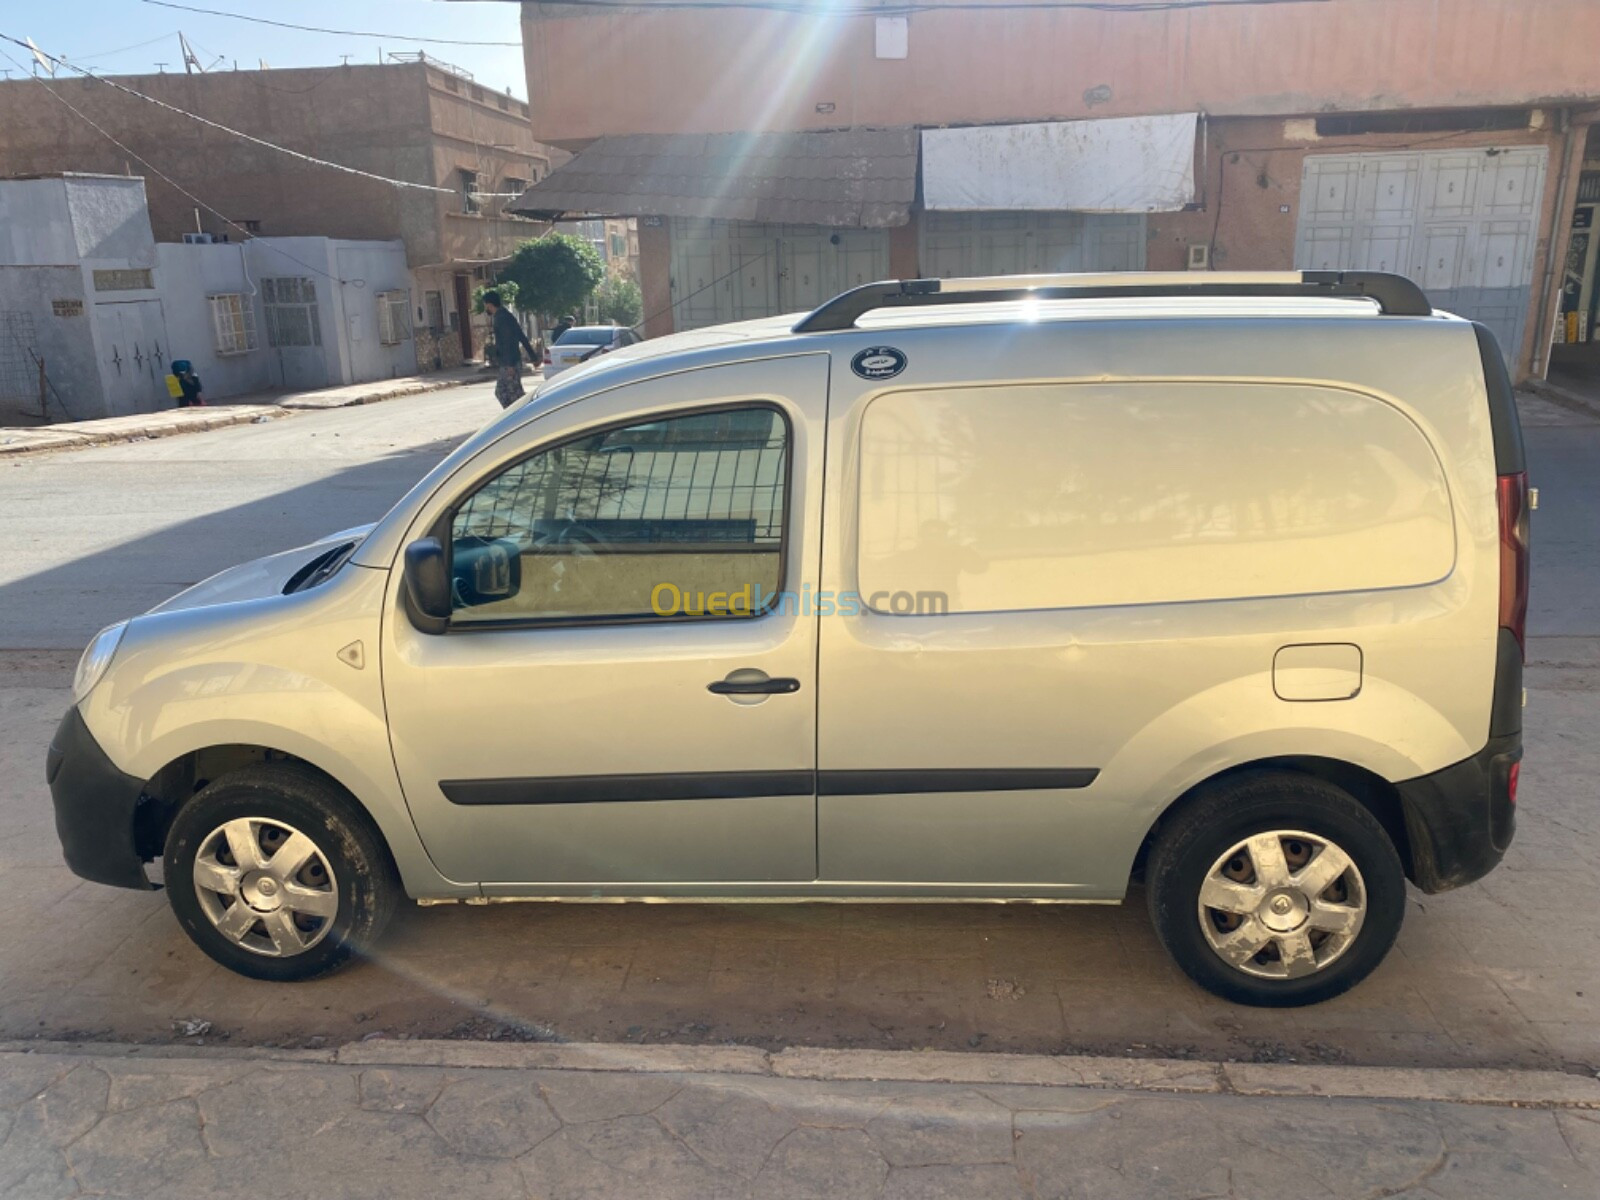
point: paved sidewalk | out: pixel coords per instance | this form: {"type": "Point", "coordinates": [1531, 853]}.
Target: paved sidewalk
{"type": "Point", "coordinates": [73, 434]}
{"type": "Point", "coordinates": [239, 410]}
{"type": "Point", "coordinates": [371, 393]}
{"type": "Point", "coordinates": [395, 1120]}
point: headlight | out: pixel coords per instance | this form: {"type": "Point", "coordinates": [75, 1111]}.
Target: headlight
{"type": "Point", "coordinates": [96, 659]}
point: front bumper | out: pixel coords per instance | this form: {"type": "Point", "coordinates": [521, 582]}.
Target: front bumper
{"type": "Point", "coordinates": [97, 808]}
{"type": "Point", "coordinates": [1459, 821]}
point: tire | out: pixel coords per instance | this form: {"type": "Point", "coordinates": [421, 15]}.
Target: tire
{"type": "Point", "coordinates": [337, 902]}
{"type": "Point", "coordinates": [1347, 926]}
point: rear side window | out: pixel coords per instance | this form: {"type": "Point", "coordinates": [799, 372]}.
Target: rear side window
{"type": "Point", "coordinates": [586, 337]}
{"type": "Point", "coordinates": [679, 517]}
{"type": "Point", "coordinates": [1080, 495]}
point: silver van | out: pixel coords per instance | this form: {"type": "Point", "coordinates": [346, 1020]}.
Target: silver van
{"type": "Point", "coordinates": [1009, 589]}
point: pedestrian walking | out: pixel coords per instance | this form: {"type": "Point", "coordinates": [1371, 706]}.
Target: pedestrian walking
{"type": "Point", "coordinates": [509, 339]}
{"type": "Point", "coordinates": [566, 323]}
{"type": "Point", "coordinates": [183, 385]}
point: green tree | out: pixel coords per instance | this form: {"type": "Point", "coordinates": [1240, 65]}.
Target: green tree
{"type": "Point", "coordinates": [620, 301]}
{"type": "Point", "coordinates": [507, 290]}
{"type": "Point", "coordinates": [554, 274]}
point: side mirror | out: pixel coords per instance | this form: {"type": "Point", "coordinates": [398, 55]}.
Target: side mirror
{"type": "Point", "coordinates": [427, 579]}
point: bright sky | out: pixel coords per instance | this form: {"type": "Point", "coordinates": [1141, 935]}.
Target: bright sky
{"type": "Point", "coordinates": [104, 35]}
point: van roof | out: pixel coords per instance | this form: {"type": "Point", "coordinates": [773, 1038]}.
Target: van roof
{"type": "Point", "coordinates": [990, 300]}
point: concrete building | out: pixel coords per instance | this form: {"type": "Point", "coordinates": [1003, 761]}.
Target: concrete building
{"type": "Point", "coordinates": [93, 310]}
{"type": "Point", "coordinates": [416, 120]}
{"type": "Point", "coordinates": [774, 155]}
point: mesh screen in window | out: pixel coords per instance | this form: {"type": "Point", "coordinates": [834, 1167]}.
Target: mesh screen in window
{"type": "Point", "coordinates": [651, 520]}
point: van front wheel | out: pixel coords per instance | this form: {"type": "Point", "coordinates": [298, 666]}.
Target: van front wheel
{"type": "Point", "coordinates": [1276, 889]}
{"type": "Point", "coordinates": [273, 873]}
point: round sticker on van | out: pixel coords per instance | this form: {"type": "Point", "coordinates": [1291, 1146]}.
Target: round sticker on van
{"type": "Point", "coordinates": [878, 362]}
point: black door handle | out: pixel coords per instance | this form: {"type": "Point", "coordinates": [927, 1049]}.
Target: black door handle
{"type": "Point", "coordinates": [754, 687]}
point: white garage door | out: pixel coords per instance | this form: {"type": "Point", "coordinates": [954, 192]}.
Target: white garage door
{"type": "Point", "coordinates": [737, 271]}
{"type": "Point", "coordinates": [965, 244]}
{"type": "Point", "coordinates": [1462, 223]}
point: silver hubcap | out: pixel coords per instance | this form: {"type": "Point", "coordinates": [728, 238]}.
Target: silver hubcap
{"type": "Point", "coordinates": [266, 886]}
{"type": "Point", "coordinates": [1282, 904]}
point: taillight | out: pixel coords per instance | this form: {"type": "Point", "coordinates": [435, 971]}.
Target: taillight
{"type": "Point", "coordinates": [1512, 777]}
{"type": "Point", "coordinates": [1513, 498]}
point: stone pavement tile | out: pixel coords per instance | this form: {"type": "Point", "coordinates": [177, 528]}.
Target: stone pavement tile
{"type": "Point", "coordinates": [577, 1097]}
{"type": "Point", "coordinates": [354, 1155]}
{"type": "Point", "coordinates": [402, 1090]}
{"type": "Point", "coordinates": [281, 1107]}
{"type": "Point", "coordinates": [958, 1127]}
{"type": "Point", "coordinates": [493, 1114]}
{"type": "Point", "coordinates": [945, 1181]}
{"type": "Point", "coordinates": [727, 1124]}
{"type": "Point", "coordinates": [140, 1082]}
{"type": "Point", "coordinates": [24, 1077]}
{"type": "Point", "coordinates": [1581, 1133]}
{"type": "Point", "coordinates": [170, 1147]}
{"type": "Point", "coordinates": [39, 1127]}
{"type": "Point", "coordinates": [822, 1164]}
{"type": "Point", "coordinates": [1142, 1146]}
{"type": "Point", "coordinates": [625, 1157]}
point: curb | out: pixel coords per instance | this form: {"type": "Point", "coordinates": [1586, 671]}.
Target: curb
{"type": "Point", "coordinates": [306, 404]}
{"type": "Point", "coordinates": [1562, 397]}
{"type": "Point", "coordinates": [47, 437]}
{"type": "Point", "coordinates": [1449, 1085]}
{"type": "Point", "coordinates": [33, 439]}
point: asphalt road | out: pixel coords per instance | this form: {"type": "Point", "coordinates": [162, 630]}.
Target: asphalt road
{"type": "Point", "coordinates": [1503, 973]}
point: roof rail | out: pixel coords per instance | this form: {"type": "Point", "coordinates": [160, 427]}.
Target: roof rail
{"type": "Point", "coordinates": [1396, 295]}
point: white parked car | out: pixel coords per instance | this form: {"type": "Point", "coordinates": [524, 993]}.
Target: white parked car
{"type": "Point", "coordinates": [983, 589]}
{"type": "Point", "coordinates": [585, 341]}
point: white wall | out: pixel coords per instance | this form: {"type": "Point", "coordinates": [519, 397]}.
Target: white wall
{"type": "Point", "coordinates": [187, 277]}
{"type": "Point", "coordinates": [348, 277]}
{"type": "Point", "coordinates": [367, 269]}
{"type": "Point", "coordinates": [66, 343]}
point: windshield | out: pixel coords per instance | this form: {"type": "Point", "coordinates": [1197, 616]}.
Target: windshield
{"type": "Point", "coordinates": [587, 337]}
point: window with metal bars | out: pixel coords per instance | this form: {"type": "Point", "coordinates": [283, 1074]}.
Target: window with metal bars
{"type": "Point", "coordinates": [394, 310]}
{"type": "Point", "coordinates": [233, 323]}
{"type": "Point", "coordinates": [591, 529]}
{"type": "Point", "coordinates": [290, 305]}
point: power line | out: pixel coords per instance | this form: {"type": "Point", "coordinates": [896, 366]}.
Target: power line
{"type": "Point", "coordinates": [124, 50]}
{"type": "Point", "coordinates": [407, 37]}
{"type": "Point", "coordinates": [262, 142]}
{"type": "Point", "coordinates": [167, 179]}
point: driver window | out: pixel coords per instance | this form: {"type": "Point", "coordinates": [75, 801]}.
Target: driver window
{"type": "Point", "coordinates": [669, 518]}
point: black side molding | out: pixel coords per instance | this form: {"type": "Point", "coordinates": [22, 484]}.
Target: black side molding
{"type": "Point", "coordinates": [619, 789]}
{"type": "Point", "coordinates": [1005, 779]}
{"type": "Point", "coordinates": [725, 785]}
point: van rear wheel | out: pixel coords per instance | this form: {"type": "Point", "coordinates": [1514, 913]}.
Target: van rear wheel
{"type": "Point", "coordinates": [273, 873]}
{"type": "Point", "coordinates": [1276, 889]}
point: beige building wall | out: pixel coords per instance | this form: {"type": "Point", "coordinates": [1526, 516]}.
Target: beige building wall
{"type": "Point", "coordinates": [722, 68]}
{"type": "Point", "coordinates": [413, 121]}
